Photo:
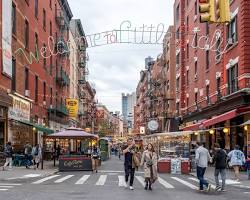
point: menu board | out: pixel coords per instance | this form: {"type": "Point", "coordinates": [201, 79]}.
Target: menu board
{"type": "Point", "coordinates": [77, 163]}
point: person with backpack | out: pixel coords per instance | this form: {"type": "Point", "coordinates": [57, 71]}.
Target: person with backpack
{"type": "Point", "coordinates": [8, 152]}
{"type": "Point", "coordinates": [28, 155]}
{"type": "Point", "coordinates": [220, 160]}
{"type": "Point", "coordinates": [237, 159]}
{"type": "Point", "coordinates": [36, 153]}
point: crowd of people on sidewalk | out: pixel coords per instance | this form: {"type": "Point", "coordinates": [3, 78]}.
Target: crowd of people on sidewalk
{"type": "Point", "coordinates": [32, 156]}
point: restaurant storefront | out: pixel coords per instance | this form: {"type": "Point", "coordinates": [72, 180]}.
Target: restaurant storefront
{"type": "Point", "coordinates": [5, 102]}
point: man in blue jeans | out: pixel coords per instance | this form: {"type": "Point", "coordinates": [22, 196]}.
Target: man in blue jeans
{"type": "Point", "coordinates": [202, 158]}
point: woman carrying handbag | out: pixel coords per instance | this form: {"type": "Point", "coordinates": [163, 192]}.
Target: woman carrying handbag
{"type": "Point", "coordinates": [149, 163]}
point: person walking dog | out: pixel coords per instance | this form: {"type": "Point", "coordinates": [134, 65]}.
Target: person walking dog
{"type": "Point", "coordinates": [149, 163]}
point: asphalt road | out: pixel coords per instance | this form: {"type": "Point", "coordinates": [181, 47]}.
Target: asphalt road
{"type": "Point", "coordinates": [107, 185]}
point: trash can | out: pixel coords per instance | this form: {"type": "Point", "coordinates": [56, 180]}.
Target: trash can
{"type": "Point", "coordinates": [175, 166]}
{"type": "Point", "coordinates": [185, 166]}
{"type": "Point", "coordinates": [164, 166]}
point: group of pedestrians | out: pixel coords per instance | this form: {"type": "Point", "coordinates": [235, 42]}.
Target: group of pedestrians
{"type": "Point", "coordinates": [32, 156]}
{"type": "Point", "coordinates": [221, 159]}
{"type": "Point", "coordinates": [148, 163]}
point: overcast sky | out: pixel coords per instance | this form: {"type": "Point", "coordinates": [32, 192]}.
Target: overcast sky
{"type": "Point", "coordinates": [115, 68]}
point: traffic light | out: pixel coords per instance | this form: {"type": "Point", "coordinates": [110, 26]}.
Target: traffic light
{"type": "Point", "coordinates": [223, 14]}
{"type": "Point", "coordinates": [207, 10]}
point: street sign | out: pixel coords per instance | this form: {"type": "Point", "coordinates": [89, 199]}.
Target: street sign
{"type": "Point", "coordinates": [153, 125]}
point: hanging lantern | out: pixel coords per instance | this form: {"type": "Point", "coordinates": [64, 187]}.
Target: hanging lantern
{"type": "Point", "coordinates": [211, 132]}
{"type": "Point", "coordinates": [226, 130]}
{"type": "Point", "coordinates": [245, 127]}
{"type": "Point", "coordinates": [196, 133]}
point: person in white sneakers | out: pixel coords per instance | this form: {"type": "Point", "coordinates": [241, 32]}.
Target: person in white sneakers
{"type": "Point", "coordinates": [8, 152]}
{"type": "Point", "coordinates": [202, 158]}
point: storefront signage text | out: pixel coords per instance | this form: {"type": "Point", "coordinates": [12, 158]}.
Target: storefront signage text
{"type": "Point", "coordinates": [20, 110]}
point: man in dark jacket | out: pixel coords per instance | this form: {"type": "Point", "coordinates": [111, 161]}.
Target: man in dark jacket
{"type": "Point", "coordinates": [128, 151]}
{"type": "Point", "coordinates": [8, 152]}
{"type": "Point", "coordinates": [220, 159]}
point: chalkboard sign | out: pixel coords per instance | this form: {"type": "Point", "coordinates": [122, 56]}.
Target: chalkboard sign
{"type": "Point", "coordinates": [75, 164]}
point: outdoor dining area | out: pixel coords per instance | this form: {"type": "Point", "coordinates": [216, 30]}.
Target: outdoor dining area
{"type": "Point", "coordinates": [75, 149]}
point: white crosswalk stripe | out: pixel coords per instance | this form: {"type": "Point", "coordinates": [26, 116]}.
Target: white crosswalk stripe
{"type": "Point", "coordinates": [185, 183]}
{"type": "Point", "coordinates": [45, 179]}
{"type": "Point", "coordinates": [102, 179]}
{"type": "Point", "coordinates": [64, 178]}
{"type": "Point", "coordinates": [7, 186]}
{"type": "Point", "coordinates": [121, 181]}
{"type": "Point", "coordinates": [82, 180]}
{"type": "Point", "coordinates": [165, 183]}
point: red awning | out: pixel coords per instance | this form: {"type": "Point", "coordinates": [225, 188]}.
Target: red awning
{"type": "Point", "coordinates": [193, 127]}
{"type": "Point", "coordinates": [220, 118]}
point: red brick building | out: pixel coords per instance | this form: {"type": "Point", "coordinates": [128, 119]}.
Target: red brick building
{"type": "Point", "coordinates": [213, 73]}
{"type": "Point", "coordinates": [39, 83]}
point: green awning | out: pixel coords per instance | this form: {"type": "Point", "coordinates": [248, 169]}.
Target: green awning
{"type": "Point", "coordinates": [39, 127]}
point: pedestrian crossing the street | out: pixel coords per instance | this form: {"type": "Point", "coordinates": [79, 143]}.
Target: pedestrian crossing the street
{"type": "Point", "coordinates": [7, 186]}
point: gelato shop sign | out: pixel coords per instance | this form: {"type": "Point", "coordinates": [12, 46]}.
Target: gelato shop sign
{"type": "Point", "coordinates": [20, 110]}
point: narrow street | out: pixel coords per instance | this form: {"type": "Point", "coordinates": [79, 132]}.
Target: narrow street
{"type": "Point", "coordinates": [107, 184]}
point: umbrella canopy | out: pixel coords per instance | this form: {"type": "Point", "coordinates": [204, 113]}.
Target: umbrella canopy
{"type": "Point", "coordinates": [72, 133]}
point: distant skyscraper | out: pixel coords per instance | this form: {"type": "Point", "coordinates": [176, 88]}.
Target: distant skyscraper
{"type": "Point", "coordinates": [128, 103]}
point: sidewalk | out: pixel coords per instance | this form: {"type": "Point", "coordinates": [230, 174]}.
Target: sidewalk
{"type": "Point", "coordinates": [209, 175]}
{"type": "Point", "coordinates": [23, 173]}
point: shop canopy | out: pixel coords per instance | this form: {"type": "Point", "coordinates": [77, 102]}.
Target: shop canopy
{"type": "Point", "coordinates": [38, 127]}
{"type": "Point", "coordinates": [246, 123]}
{"type": "Point", "coordinates": [72, 133]}
{"type": "Point", "coordinates": [171, 134]}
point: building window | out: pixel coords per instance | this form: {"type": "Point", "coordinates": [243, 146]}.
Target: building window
{"type": "Point", "coordinates": [196, 40]}
{"type": "Point", "coordinates": [177, 84]}
{"type": "Point", "coordinates": [51, 65]}
{"type": "Point", "coordinates": [195, 7]}
{"type": "Point", "coordinates": [196, 99]}
{"type": "Point", "coordinates": [36, 42]}
{"type": "Point", "coordinates": [196, 68]}
{"type": "Point", "coordinates": [26, 34]}
{"type": "Point", "coordinates": [13, 80]}
{"type": "Point", "coordinates": [232, 35]}
{"type": "Point", "coordinates": [168, 85]}
{"type": "Point", "coordinates": [27, 2]}
{"type": "Point", "coordinates": [187, 24]}
{"type": "Point", "coordinates": [207, 94]}
{"type": "Point", "coordinates": [232, 79]}
{"type": "Point", "coordinates": [50, 28]}
{"type": "Point", "coordinates": [218, 88]}
{"type": "Point", "coordinates": [51, 98]}
{"type": "Point", "coordinates": [177, 13]}
{"type": "Point", "coordinates": [218, 49]}
{"type": "Point", "coordinates": [187, 50]}
{"type": "Point", "coordinates": [26, 84]}
{"type": "Point", "coordinates": [50, 4]}
{"type": "Point", "coordinates": [207, 59]}
{"type": "Point", "coordinates": [207, 28]}
{"type": "Point", "coordinates": [14, 19]}
{"type": "Point", "coordinates": [44, 91]}
{"type": "Point", "coordinates": [178, 108]}
{"type": "Point", "coordinates": [178, 34]}
{"type": "Point", "coordinates": [187, 102]}
{"type": "Point", "coordinates": [44, 19]}
{"type": "Point", "coordinates": [187, 77]}
{"type": "Point", "coordinates": [44, 58]}
{"type": "Point", "coordinates": [178, 59]}
{"type": "Point", "coordinates": [36, 8]}
{"type": "Point", "coordinates": [36, 89]}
